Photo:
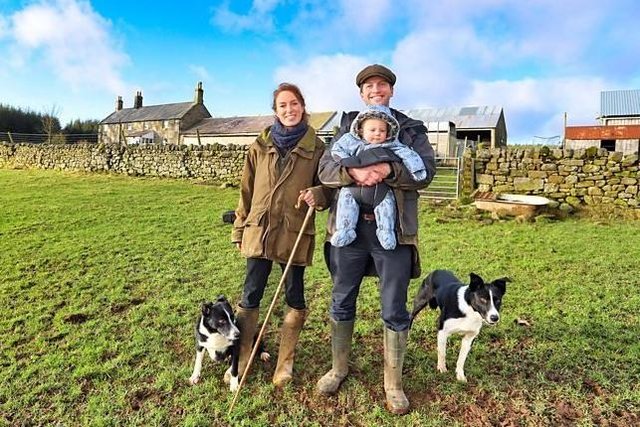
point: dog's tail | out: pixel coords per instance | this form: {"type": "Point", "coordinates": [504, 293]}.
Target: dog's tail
{"type": "Point", "coordinates": [426, 295]}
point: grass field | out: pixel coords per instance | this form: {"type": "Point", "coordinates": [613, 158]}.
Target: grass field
{"type": "Point", "coordinates": [101, 277]}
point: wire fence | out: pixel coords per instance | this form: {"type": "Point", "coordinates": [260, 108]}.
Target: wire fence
{"type": "Point", "coordinates": [43, 138]}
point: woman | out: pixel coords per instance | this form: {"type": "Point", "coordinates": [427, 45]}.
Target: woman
{"type": "Point", "coordinates": [280, 169]}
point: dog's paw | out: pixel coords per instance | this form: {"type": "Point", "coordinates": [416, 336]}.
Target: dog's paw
{"type": "Point", "coordinates": [233, 384]}
{"type": "Point", "coordinates": [442, 369]}
{"type": "Point", "coordinates": [227, 376]}
{"type": "Point", "coordinates": [194, 380]}
{"type": "Point", "coordinates": [460, 377]}
{"type": "Point", "coordinates": [265, 356]}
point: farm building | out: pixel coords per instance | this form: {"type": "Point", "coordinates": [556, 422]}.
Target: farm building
{"type": "Point", "coordinates": [245, 129]}
{"type": "Point", "coordinates": [619, 128]}
{"type": "Point", "coordinates": [191, 123]}
{"type": "Point", "coordinates": [163, 123]}
{"type": "Point", "coordinates": [477, 124]}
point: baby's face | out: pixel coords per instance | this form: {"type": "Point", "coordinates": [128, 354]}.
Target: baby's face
{"type": "Point", "coordinates": [374, 131]}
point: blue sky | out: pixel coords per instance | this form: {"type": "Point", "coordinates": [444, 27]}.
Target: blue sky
{"type": "Point", "coordinates": [537, 59]}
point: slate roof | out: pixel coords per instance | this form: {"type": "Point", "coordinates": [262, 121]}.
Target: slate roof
{"type": "Point", "coordinates": [472, 117]}
{"type": "Point", "coordinates": [620, 103]}
{"type": "Point", "coordinates": [149, 113]}
{"type": "Point", "coordinates": [251, 125]}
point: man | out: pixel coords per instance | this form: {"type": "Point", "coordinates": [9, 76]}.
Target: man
{"type": "Point", "coordinates": [349, 264]}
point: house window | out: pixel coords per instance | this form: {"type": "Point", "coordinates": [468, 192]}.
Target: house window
{"type": "Point", "coordinates": [146, 125]}
{"type": "Point", "coordinates": [609, 144]}
{"type": "Point", "coordinates": [129, 126]}
{"type": "Point", "coordinates": [165, 124]}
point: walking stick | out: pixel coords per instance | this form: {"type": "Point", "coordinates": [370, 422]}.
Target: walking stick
{"type": "Point", "coordinates": [254, 350]}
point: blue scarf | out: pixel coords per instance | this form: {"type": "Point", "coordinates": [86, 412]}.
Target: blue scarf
{"type": "Point", "coordinates": [286, 138]}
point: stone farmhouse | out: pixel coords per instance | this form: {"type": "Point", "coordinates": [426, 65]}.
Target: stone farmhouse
{"type": "Point", "coordinates": [164, 123]}
{"type": "Point", "coordinates": [618, 128]}
{"type": "Point", "coordinates": [190, 123]}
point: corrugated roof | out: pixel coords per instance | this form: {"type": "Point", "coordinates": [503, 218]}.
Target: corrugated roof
{"type": "Point", "coordinates": [472, 117]}
{"type": "Point", "coordinates": [151, 112]}
{"type": "Point", "coordinates": [248, 124]}
{"type": "Point", "coordinates": [620, 103]}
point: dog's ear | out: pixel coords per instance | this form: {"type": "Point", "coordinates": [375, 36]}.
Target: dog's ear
{"type": "Point", "coordinates": [501, 284]}
{"type": "Point", "coordinates": [476, 282]}
{"type": "Point", "coordinates": [205, 308]}
{"type": "Point", "coordinates": [221, 298]}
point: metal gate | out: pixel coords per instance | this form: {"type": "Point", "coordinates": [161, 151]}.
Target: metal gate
{"type": "Point", "coordinates": [446, 183]}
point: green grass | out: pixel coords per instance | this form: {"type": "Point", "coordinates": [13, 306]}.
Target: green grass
{"type": "Point", "coordinates": [101, 277]}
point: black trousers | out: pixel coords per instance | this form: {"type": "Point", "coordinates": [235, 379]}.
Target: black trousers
{"type": "Point", "coordinates": [258, 271]}
{"type": "Point", "coordinates": [348, 265]}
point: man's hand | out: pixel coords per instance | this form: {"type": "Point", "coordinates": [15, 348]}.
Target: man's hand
{"type": "Point", "coordinates": [370, 175]}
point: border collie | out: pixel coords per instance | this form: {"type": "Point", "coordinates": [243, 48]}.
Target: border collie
{"type": "Point", "coordinates": [463, 310]}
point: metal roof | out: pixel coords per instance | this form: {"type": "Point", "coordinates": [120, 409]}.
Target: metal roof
{"type": "Point", "coordinates": [620, 103]}
{"type": "Point", "coordinates": [249, 124]}
{"type": "Point", "coordinates": [148, 113]}
{"type": "Point", "coordinates": [472, 117]}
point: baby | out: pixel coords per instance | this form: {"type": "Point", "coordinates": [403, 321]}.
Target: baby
{"type": "Point", "coordinates": [374, 128]}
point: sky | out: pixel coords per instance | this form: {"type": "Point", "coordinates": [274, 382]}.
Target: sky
{"type": "Point", "coordinates": [536, 59]}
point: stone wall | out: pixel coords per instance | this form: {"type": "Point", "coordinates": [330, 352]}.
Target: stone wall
{"type": "Point", "coordinates": [217, 163]}
{"type": "Point", "coordinates": [569, 177]}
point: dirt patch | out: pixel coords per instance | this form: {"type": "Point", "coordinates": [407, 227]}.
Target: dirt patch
{"type": "Point", "coordinates": [76, 318]}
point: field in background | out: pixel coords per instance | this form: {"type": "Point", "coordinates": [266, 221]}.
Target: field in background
{"type": "Point", "coordinates": [101, 277]}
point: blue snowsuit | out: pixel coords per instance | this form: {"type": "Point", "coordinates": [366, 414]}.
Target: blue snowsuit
{"type": "Point", "coordinates": [379, 197]}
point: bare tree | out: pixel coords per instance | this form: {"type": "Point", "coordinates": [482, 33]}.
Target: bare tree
{"type": "Point", "coordinates": [50, 122]}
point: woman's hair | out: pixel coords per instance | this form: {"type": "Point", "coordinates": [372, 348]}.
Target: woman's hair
{"type": "Point", "coordinates": [295, 90]}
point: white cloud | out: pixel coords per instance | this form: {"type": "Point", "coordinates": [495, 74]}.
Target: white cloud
{"type": "Point", "coordinates": [73, 40]}
{"type": "Point", "coordinates": [327, 82]}
{"type": "Point", "coordinates": [430, 66]}
{"type": "Point", "coordinates": [537, 106]}
{"type": "Point", "coordinates": [365, 16]}
{"type": "Point", "coordinates": [4, 27]}
{"type": "Point", "coordinates": [257, 19]}
{"type": "Point", "coordinates": [200, 71]}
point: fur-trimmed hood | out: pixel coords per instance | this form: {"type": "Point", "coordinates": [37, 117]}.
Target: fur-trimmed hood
{"type": "Point", "coordinates": [376, 112]}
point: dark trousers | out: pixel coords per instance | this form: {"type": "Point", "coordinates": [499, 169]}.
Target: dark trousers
{"type": "Point", "coordinates": [258, 270]}
{"type": "Point", "coordinates": [348, 265]}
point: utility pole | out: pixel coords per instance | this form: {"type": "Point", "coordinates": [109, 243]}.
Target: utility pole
{"type": "Point", "coordinates": [564, 130]}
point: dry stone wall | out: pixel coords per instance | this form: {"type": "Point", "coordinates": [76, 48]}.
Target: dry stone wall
{"type": "Point", "coordinates": [571, 178]}
{"type": "Point", "coordinates": [217, 163]}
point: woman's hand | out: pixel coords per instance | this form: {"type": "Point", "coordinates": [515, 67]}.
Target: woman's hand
{"type": "Point", "coordinates": [239, 246]}
{"type": "Point", "coordinates": [307, 197]}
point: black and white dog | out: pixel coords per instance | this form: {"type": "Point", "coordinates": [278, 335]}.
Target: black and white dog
{"type": "Point", "coordinates": [217, 333]}
{"type": "Point", "coordinates": [463, 310]}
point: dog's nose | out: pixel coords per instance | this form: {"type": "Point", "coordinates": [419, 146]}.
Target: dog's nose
{"type": "Point", "coordinates": [494, 318]}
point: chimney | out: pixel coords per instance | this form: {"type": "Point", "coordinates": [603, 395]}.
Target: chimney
{"type": "Point", "coordinates": [137, 101]}
{"type": "Point", "coordinates": [199, 94]}
{"type": "Point", "coordinates": [119, 103]}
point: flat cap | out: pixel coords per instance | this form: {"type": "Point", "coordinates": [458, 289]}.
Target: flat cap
{"type": "Point", "coordinates": [375, 70]}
